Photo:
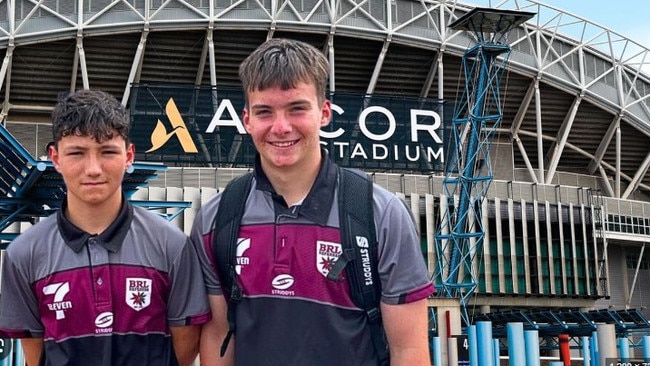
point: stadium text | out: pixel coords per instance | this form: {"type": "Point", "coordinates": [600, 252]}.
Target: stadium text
{"type": "Point", "coordinates": [424, 141]}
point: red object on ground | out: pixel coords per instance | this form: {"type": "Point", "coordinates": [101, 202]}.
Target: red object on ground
{"type": "Point", "coordinates": [565, 352]}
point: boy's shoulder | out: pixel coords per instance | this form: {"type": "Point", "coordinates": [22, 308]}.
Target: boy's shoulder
{"type": "Point", "coordinates": [154, 223]}
{"type": "Point", "coordinates": [34, 235]}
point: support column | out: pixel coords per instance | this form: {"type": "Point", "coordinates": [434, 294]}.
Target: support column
{"type": "Point", "coordinates": [606, 342]}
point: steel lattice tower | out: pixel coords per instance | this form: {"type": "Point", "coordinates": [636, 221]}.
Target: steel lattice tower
{"type": "Point", "coordinates": [460, 236]}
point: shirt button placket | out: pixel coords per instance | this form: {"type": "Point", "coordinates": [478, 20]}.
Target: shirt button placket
{"type": "Point", "coordinates": [101, 273]}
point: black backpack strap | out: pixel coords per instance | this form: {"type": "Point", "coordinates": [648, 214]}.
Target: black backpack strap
{"type": "Point", "coordinates": [359, 242]}
{"type": "Point", "coordinates": [224, 244]}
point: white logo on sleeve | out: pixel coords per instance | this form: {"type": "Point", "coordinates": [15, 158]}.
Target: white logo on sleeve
{"type": "Point", "coordinates": [242, 246]}
{"type": "Point", "coordinates": [59, 290]}
{"type": "Point", "coordinates": [138, 293]}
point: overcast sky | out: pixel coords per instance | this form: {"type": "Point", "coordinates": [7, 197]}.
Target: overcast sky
{"type": "Point", "coordinates": [630, 18]}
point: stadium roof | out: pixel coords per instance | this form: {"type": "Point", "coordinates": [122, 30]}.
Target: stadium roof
{"type": "Point", "coordinates": [593, 115]}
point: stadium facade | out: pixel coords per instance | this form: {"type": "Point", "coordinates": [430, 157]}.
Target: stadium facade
{"type": "Point", "coordinates": [567, 215]}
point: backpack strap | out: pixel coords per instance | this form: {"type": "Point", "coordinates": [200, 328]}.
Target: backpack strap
{"type": "Point", "coordinates": [224, 244]}
{"type": "Point", "coordinates": [359, 243]}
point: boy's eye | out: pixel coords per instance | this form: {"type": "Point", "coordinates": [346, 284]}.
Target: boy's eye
{"type": "Point", "coordinates": [263, 115]}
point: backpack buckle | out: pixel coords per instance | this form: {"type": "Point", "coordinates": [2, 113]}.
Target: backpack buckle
{"type": "Point", "coordinates": [373, 314]}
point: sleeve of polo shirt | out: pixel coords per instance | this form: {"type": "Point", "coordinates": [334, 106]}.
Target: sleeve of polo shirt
{"type": "Point", "coordinates": [402, 269]}
{"type": "Point", "coordinates": [19, 315]}
{"type": "Point", "coordinates": [188, 302]}
{"type": "Point", "coordinates": [201, 236]}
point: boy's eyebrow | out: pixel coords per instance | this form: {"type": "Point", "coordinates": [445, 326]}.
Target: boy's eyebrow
{"type": "Point", "coordinates": [292, 103]}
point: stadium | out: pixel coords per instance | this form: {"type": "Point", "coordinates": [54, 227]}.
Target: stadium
{"type": "Point", "coordinates": [564, 214]}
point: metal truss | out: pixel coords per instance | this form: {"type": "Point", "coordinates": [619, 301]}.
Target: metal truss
{"type": "Point", "coordinates": [593, 63]}
{"type": "Point", "coordinates": [541, 47]}
{"type": "Point", "coordinates": [477, 114]}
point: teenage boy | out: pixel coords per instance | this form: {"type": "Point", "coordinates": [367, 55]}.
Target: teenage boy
{"type": "Point", "coordinates": [101, 282]}
{"type": "Point", "coordinates": [291, 313]}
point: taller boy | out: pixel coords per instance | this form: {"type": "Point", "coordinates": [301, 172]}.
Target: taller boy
{"type": "Point", "coordinates": [291, 313]}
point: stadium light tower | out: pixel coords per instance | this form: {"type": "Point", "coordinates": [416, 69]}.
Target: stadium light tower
{"type": "Point", "coordinates": [460, 236]}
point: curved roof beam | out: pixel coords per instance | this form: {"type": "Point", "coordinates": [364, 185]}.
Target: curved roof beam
{"type": "Point", "coordinates": [136, 66]}
{"type": "Point", "coordinates": [604, 143]}
{"type": "Point", "coordinates": [561, 139]}
{"type": "Point", "coordinates": [634, 183]}
{"type": "Point", "coordinates": [5, 78]}
{"type": "Point", "coordinates": [377, 69]}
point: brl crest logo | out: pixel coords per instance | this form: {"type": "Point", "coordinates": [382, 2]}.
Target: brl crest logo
{"type": "Point", "coordinates": [138, 293]}
{"type": "Point", "coordinates": [327, 253]}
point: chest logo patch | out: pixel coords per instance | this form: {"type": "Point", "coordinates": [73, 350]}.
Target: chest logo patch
{"type": "Point", "coordinates": [138, 293]}
{"type": "Point", "coordinates": [327, 253]}
{"type": "Point", "coordinates": [282, 282]}
{"type": "Point", "coordinates": [103, 322]}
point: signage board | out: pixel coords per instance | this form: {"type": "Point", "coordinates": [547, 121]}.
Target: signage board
{"type": "Point", "coordinates": [183, 125]}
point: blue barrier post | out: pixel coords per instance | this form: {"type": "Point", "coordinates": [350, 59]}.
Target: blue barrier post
{"type": "Point", "coordinates": [484, 341]}
{"type": "Point", "coordinates": [593, 346]}
{"type": "Point", "coordinates": [516, 347]}
{"type": "Point", "coordinates": [473, 348]}
{"type": "Point", "coordinates": [437, 351]}
{"type": "Point", "coordinates": [645, 346]}
{"type": "Point", "coordinates": [496, 352]}
{"type": "Point", "coordinates": [531, 338]}
{"type": "Point", "coordinates": [623, 348]}
{"type": "Point", "coordinates": [586, 353]}
{"type": "Point", "coordinates": [19, 356]}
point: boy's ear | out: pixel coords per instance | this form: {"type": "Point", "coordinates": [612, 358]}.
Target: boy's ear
{"type": "Point", "coordinates": [53, 153]}
{"type": "Point", "coordinates": [245, 119]}
{"type": "Point", "coordinates": [130, 156]}
{"type": "Point", "coordinates": [326, 113]}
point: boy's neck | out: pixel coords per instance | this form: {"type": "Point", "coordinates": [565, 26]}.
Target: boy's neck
{"type": "Point", "coordinates": [93, 219]}
{"type": "Point", "coordinates": [293, 184]}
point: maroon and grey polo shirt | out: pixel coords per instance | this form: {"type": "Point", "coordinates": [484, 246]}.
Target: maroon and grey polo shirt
{"type": "Point", "coordinates": [291, 313]}
{"type": "Point", "coordinates": [106, 299]}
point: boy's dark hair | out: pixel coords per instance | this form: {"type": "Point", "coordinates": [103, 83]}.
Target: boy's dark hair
{"type": "Point", "coordinates": [89, 113]}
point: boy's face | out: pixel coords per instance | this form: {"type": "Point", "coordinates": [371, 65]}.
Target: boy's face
{"type": "Point", "coordinates": [92, 171]}
{"type": "Point", "coordinates": [285, 126]}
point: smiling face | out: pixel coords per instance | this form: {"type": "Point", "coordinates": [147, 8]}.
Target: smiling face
{"type": "Point", "coordinates": [92, 170]}
{"type": "Point", "coordinates": [285, 124]}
